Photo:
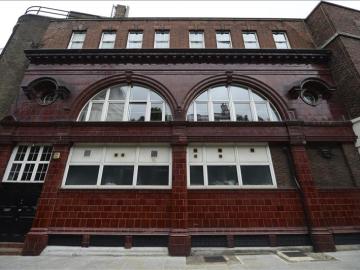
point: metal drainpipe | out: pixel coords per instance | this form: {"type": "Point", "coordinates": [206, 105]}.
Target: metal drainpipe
{"type": "Point", "coordinates": [301, 193]}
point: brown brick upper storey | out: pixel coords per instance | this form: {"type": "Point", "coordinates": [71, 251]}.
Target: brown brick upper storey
{"type": "Point", "coordinates": [59, 32]}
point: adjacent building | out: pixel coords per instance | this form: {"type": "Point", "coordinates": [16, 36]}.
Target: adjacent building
{"type": "Point", "coordinates": [181, 132]}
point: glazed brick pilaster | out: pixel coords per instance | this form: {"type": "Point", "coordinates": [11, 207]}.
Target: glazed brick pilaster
{"type": "Point", "coordinates": [322, 239]}
{"type": "Point", "coordinates": [179, 239]}
{"type": "Point", "coordinates": [36, 239]}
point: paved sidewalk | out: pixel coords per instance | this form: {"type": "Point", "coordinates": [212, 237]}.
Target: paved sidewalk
{"type": "Point", "coordinates": [346, 260]}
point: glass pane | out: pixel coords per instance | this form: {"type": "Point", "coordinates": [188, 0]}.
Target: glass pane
{"type": "Point", "coordinates": [109, 36]}
{"type": "Point", "coordinates": [107, 45]}
{"type": "Point", "coordinates": [242, 112]}
{"type": "Point", "coordinates": [274, 115]}
{"type": "Point", "coordinates": [279, 37]}
{"type": "Point", "coordinates": [34, 152]}
{"type": "Point", "coordinates": [137, 111]}
{"type": "Point", "coordinates": [224, 45]}
{"type": "Point", "coordinates": [221, 111]}
{"type": "Point", "coordinates": [14, 171]}
{"type": "Point", "coordinates": [190, 113]}
{"type": "Point", "coordinates": [168, 116]}
{"type": "Point", "coordinates": [222, 36]}
{"type": "Point", "coordinates": [117, 175]}
{"type": "Point", "coordinates": [155, 97]}
{"type": "Point", "coordinates": [153, 175]}
{"type": "Point", "coordinates": [257, 97]}
{"type": "Point", "coordinates": [83, 113]}
{"type": "Point", "coordinates": [115, 112]}
{"type": "Point", "coordinates": [222, 175]}
{"type": "Point", "coordinates": [251, 45]}
{"type": "Point", "coordinates": [78, 37]}
{"type": "Point", "coordinates": [196, 175]}
{"type": "Point", "coordinates": [95, 114]}
{"type": "Point", "coordinates": [117, 93]}
{"type": "Point", "coordinates": [46, 154]}
{"type": "Point", "coordinates": [162, 36]}
{"type": "Point", "coordinates": [162, 44]}
{"type": "Point", "coordinates": [196, 45]}
{"type": "Point", "coordinates": [238, 93]}
{"type": "Point", "coordinates": [41, 172]}
{"type": "Point", "coordinates": [281, 45]}
{"type": "Point", "coordinates": [219, 93]}
{"type": "Point", "coordinates": [262, 112]}
{"type": "Point", "coordinates": [139, 93]}
{"type": "Point", "coordinates": [20, 155]}
{"type": "Point", "coordinates": [202, 112]}
{"type": "Point", "coordinates": [156, 112]}
{"type": "Point", "coordinates": [82, 175]}
{"type": "Point", "coordinates": [203, 97]}
{"type": "Point", "coordinates": [101, 95]}
{"type": "Point", "coordinates": [249, 37]}
{"type": "Point", "coordinates": [256, 175]}
{"type": "Point", "coordinates": [76, 45]}
{"type": "Point", "coordinates": [28, 170]}
{"type": "Point", "coordinates": [135, 36]}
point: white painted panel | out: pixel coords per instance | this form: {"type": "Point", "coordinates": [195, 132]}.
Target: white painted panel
{"type": "Point", "coordinates": [195, 154]}
{"type": "Point", "coordinates": [220, 154]}
{"type": "Point", "coordinates": [86, 154]}
{"type": "Point", "coordinates": [120, 154]}
{"type": "Point", "coordinates": [259, 154]}
{"type": "Point", "coordinates": [162, 154]}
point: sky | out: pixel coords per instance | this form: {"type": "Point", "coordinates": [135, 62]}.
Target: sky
{"type": "Point", "coordinates": [10, 11]}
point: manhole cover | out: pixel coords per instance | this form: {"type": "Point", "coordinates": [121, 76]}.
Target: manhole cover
{"type": "Point", "coordinates": [294, 254]}
{"type": "Point", "coordinates": [214, 259]}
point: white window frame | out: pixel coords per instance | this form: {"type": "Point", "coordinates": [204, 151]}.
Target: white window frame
{"type": "Point", "coordinates": [130, 41]}
{"type": "Point", "coordinates": [232, 103]}
{"type": "Point", "coordinates": [220, 41]}
{"type": "Point", "coordinates": [237, 163]}
{"type": "Point", "coordinates": [23, 163]}
{"type": "Point", "coordinates": [71, 42]}
{"type": "Point", "coordinates": [127, 102]}
{"type": "Point", "coordinates": [247, 42]}
{"type": "Point", "coordinates": [285, 42]}
{"type": "Point", "coordinates": [161, 41]}
{"type": "Point", "coordinates": [102, 42]}
{"type": "Point", "coordinates": [191, 41]}
{"type": "Point", "coordinates": [102, 163]}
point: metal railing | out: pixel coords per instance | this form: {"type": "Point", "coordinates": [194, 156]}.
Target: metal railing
{"type": "Point", "coordinates": [45, 11]}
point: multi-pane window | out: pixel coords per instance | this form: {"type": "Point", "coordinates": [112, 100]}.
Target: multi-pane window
{"type": "Point", "coordinates": [126, 103]}
{"type": "Point", "coordinates": [28, 163]}
{"type": "Point", "coordinates": [77, 40]}
{"type": "Point", "coordinates": [281, 40]}
{"type": "Point", "coordinates": [229, 166]}
{"type": "Point", "coordinates": [162, 39]}
{"type": "Point", "coordinates": [107, 40]}
{"type": "Point", "coordinates": [250, 40]}
{"type": "Point", "coordinates": [135, 39]}
{"type": "Point", "coordinates": [117, 166]}
{"type": "Point", "coordinates": [231, 103]}
{"type": "Point", "coordinates": [223, 39]}
{"type": "Point", "coordinates": [196, 39]}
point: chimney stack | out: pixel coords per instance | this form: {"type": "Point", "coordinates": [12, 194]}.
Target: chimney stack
{"type": "Point", "coordinates": [120, 11]}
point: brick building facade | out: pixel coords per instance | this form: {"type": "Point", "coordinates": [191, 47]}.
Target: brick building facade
{"type": "Point", "coordinates": [182, 132]}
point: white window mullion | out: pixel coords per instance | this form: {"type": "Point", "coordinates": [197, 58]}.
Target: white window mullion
{"type": "Point", "coordinates": [253, 107]}
{"type": "Point", "coordinates": [269, 111]}
{"type": "Point", "coordinates": [24, 163]}
{"type": "Point", "coordinates": [231, 105]}
{"type": "Point", "coordinates": [101, 167]}
{"type": "Point", "coordinates": [204, 163]}
{"type": "Point", "coordinates": [89, 111]}
{"type": "Point", "coordinates": [105, 106]}
{"type": "Point", "coordinates": [238, 166]}
{"type": "Point", "coordinates": [36, 164]}
{"type": "Point", "coordinates": [126, 105]}
{"type": "Point", "coordinates": [148, 108]}
{"type": "Point", "coordinates": [272, 172]}
{"type": "Point", "coordinates": [136, 166]}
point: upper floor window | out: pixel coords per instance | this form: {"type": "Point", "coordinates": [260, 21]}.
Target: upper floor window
{"type": "Point", "coordinates": [196, 39]}
{"type": "Point", "coordinates": [250, 40]}
{"type": "Point", "coordinates": [126, 103]}
{"type": "Point", "coordinates": [135, 40]}
{"type": "Point", "coordinates": [28, 163]}
{"type": "Point", "coordinates": [223, 39]}
{"type": "Point", "coordinates": [281, 40]}
{"type": "Point", "coordinates": [108, 40]}
{"type": "Point", "coordinates": [77, 40]}
{"type": "Point", "coordinates": [162, 39]}
{"type": "Point", "coordinates": [231, 103]}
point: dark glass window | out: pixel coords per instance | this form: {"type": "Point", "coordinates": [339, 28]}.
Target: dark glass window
{"type": "Point", "coordinates": [196, 175]}
{"type": "Point", "coordinates": [222, 175]}
{"type": "Point", "coordinates": [153, 175]}
{"type": "Point", "coordinates": [117, 175]}
{"type": "Point", "coordinates": [82, 175]}
{"type": "Point", "coordinates": [256, 175]}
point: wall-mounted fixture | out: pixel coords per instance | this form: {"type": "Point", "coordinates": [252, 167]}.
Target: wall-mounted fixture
{"type": "Point", "coordinates": [154, 153]}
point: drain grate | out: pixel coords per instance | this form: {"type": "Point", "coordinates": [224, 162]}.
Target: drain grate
{"type": "Point", "coordinates": [294, 253]}
{"type": "Point", "coordinates": [214, 259]}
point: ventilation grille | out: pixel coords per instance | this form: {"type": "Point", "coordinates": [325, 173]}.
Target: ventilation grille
{"type": "Point", "coordinates": [208, 241]}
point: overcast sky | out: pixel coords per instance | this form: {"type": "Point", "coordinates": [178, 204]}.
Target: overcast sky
{"type": "Point", "coordinates": [10, 11]}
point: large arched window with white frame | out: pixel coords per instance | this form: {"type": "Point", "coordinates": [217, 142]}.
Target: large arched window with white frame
{"type": "Point", "coordinates": [126, 103]}
{"type": "Point", "coordinates": [231, 103]}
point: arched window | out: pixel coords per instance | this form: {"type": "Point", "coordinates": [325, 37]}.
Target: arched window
{"type": "Point", "coordinates": [231, 103]}
{"type": "Point", "coordinates": [126, 103]}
